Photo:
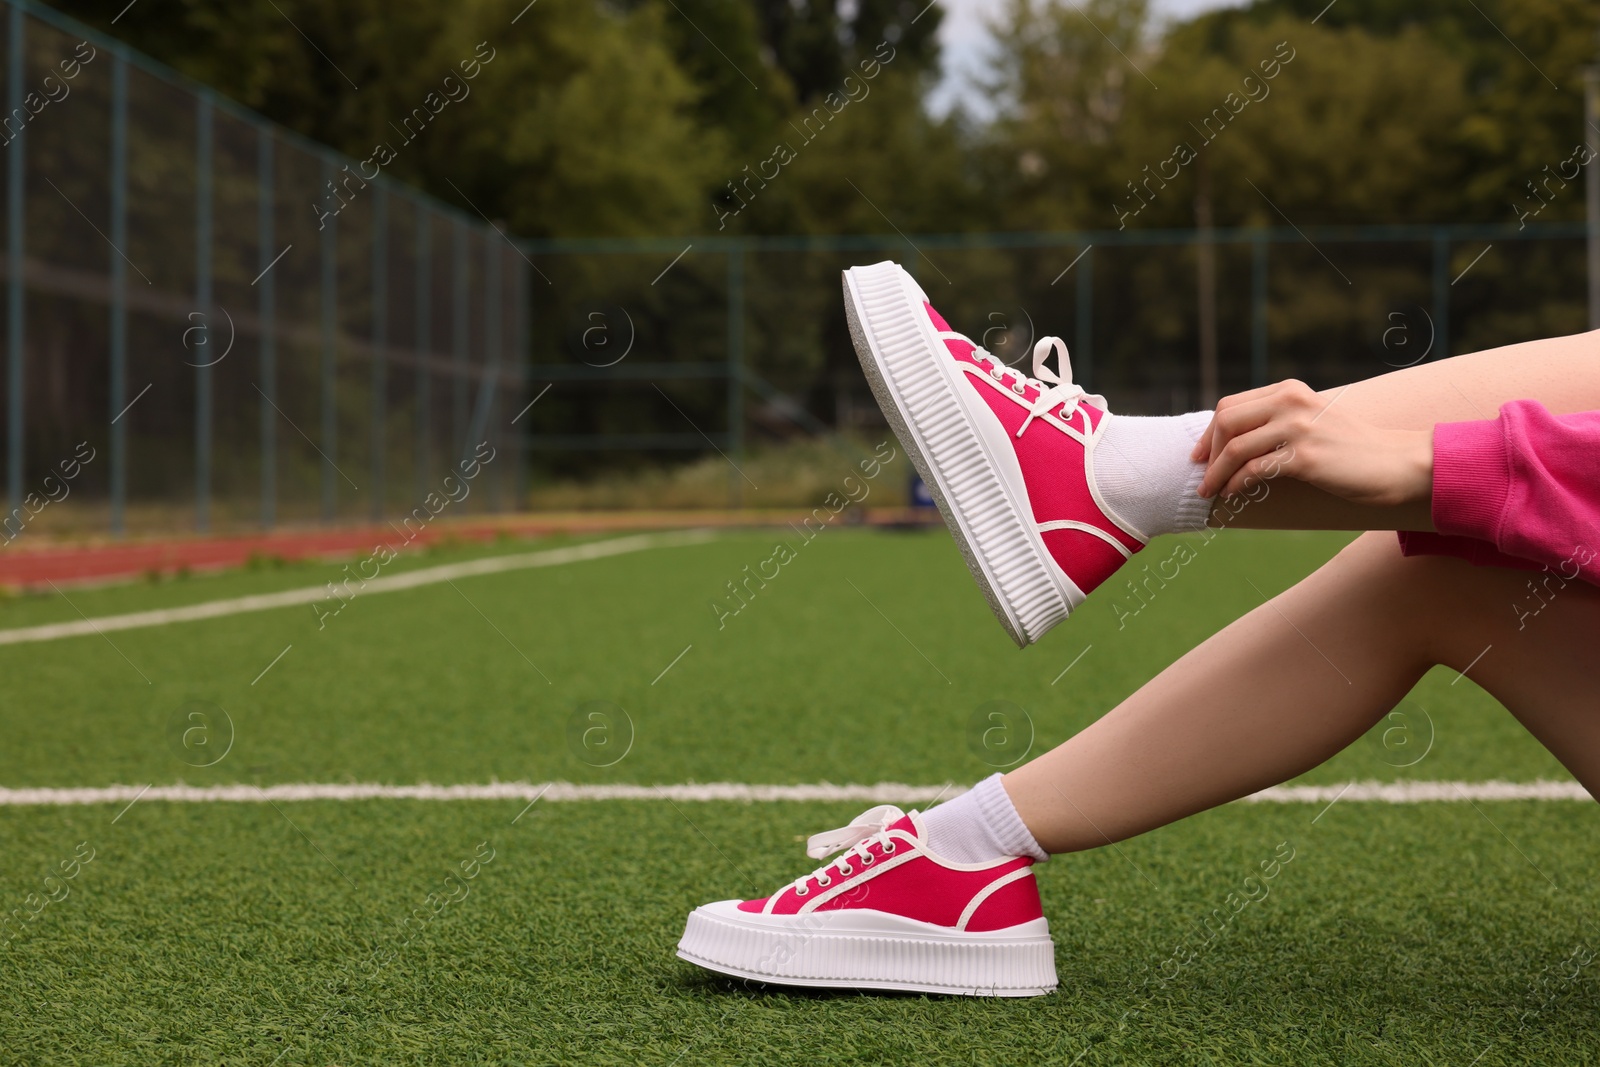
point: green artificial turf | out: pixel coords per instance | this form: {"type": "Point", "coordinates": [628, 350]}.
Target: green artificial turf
{"type": "Point", "coordinates": [245, 933]}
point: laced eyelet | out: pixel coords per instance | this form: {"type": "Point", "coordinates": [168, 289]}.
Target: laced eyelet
{"type": "Point", "coordinates": [845, 870]}
{"type": "Point", "coordinates": [995, 372]}
{"type": "Point", "coordinates": [1018, 388]}
{"type": "Point", "coordinates": [803, 890]}
{"type": "Point", "coordinates": [889, 848]}
{"type": "Point", "coordinates": [823, 881]}
{"type": "Point", "coordinates": [866, 861]}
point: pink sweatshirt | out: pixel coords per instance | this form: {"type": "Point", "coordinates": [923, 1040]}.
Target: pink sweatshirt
{"type": "Point", "coordinates": [1522, 490]}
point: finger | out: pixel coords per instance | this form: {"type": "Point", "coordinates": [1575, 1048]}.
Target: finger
{"type": "Point", "coordinates": [1204, 446]}
{"type": "Point", "coordinates": [1260, 469]}
{"type": "Point", "coordinates": [1239, 420]}
{"type": "Point", "coordinates": [1201, 452]}
{"type": "Point", "coordinates": [1208, 443]}
{"type": "Point", "coordinates": [1240, 450]}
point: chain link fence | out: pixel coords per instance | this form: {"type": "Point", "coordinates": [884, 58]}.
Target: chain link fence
{"type": "Point", "coordinates": [181, 304]}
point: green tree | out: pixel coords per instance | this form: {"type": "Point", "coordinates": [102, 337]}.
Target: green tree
{"type": "Point", "coordinates": [583, 122]}
{"type": "Point", "coordinates": [817, 43]}
{"type": "Point", "coordinates": [1329, 125]}
{"type": "Point", "coordinates": [1520, 65]}
{"type": "Point", "coordinates": [1065, 71]}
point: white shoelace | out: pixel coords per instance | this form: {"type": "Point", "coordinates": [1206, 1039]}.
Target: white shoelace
{"type": "Point", "coordinates": [869, 828]}
{"type": "Point", "coordinates": [1054, 389]}
{"type": "Point", "coordinates": [1062, 389]}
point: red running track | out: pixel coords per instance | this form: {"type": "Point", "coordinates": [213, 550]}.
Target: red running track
{"type": "Point", "coordinates": [24, 567]}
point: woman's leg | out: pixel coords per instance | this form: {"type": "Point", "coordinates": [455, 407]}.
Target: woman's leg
{"type": "Point", "coordinates": [1562, 373]}
{"type": "Point", "coordinates": [1288, 685]}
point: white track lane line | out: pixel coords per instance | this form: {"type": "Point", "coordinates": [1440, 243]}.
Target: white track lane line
{"type": "Point", "coordinates": [215, 609]}
{"type": "Point", "coordinates": [881, 793]}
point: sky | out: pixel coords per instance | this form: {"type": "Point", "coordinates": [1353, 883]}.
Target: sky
{"type": "Point", "coordinates": [965, 45]}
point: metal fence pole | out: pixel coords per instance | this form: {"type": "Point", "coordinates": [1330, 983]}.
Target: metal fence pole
{"type": "Point", "coordinates": [380, 344]}
{"type": "Point", "coordinates": [1441, 293]}
{"type": "Point", "coordinates": [493, 355]}
{"type": "Point", "coordinates": [202, 298]}
{"type": "Point", "coordinates": [458, 339]}
{"type": "Point", "coordinates": [1083, 354]}
{"type": "Point", "coordinates": [735, 369]}
{"type": "Point", "coordinates": [330, 353]}
{"type": "Point", "coordinates": [119, 294]}
{"type": "Point", "coordinates": [519, 481]}
{"type": "Point", "coordinates": [422, 455]}
{"type": "Point", "coordinates": [493, 350]}
{"type": "Point", "coordinates": [266, 207]}
{"type": "Point", "coordinates": [1258, 309]}
{"type": "Point", "coordinates": [15, 163]}
{"type": "Point", "coordinates": [1205, 255]}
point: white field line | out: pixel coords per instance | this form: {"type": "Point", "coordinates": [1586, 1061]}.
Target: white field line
{"type": "Point", "coordinates": [215, 609]}
{"type": "Point", "coordinates": [1420, 792]}
{"type": "Point", "coordinates": [881, 793]}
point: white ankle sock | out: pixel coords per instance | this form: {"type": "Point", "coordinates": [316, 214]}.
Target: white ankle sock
{"type": "Point", "coordinates": [980, 825]}
{"type": "Point", "coordinates": [1143, 472]}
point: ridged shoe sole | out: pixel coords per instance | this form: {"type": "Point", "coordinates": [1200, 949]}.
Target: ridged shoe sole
{"type": "Point", "coordinates": [909, 370]}
{"type": "Point", "coordinates": [992, 964]}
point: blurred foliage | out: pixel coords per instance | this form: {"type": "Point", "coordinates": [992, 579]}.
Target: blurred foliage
{"type": "Point", "coordinates": [592, 118]}
{"type": "Point", "coordinates": [1389, 111]}
{"type": "Point", "coordinates": [658, 117]}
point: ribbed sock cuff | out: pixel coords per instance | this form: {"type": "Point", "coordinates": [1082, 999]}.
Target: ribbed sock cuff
{"type": "Point", "coordinates": [1000, 815]}
{"type": "Point", "coordinates": [1192, 510]}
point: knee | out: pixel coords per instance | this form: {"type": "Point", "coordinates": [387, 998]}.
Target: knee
{"type": "Point", "coordinates": [1445, 608]}
{"type": "Point", "coordinates": [1414, 599]}
{"type": "Point", "coordinates": [1375, 558]}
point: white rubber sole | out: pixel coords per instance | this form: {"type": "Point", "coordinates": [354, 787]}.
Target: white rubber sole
{"type": "Point", "coordinates": [861, 949]}
{"type": "Point", "coordinates": [973, 476]}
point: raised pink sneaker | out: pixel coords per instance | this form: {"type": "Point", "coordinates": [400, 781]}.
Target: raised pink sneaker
{"type": "Point", "coordinates": [888, 914]}
{"type": "Point", "coordinates": [1008, 456]}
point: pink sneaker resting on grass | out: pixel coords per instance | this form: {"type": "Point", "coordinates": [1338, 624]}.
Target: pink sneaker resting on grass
{"type": "Point", "coordinates": [1008, 456]}
{"type": "Point", "coordinates": [887, 914]}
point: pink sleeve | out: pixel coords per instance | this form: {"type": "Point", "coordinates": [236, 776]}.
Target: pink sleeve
{"type": "Point", "coordinates": [1525, 485]}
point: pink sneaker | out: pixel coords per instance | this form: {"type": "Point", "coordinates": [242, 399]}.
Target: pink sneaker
{"type": "Point", "coordinates": [888, 914]}
{"type": "Point", "coordinates": [1009, 457]}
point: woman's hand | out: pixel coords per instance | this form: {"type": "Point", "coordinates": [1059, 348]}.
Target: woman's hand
{"type": "Point", "coordinates": [1290, 429]}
